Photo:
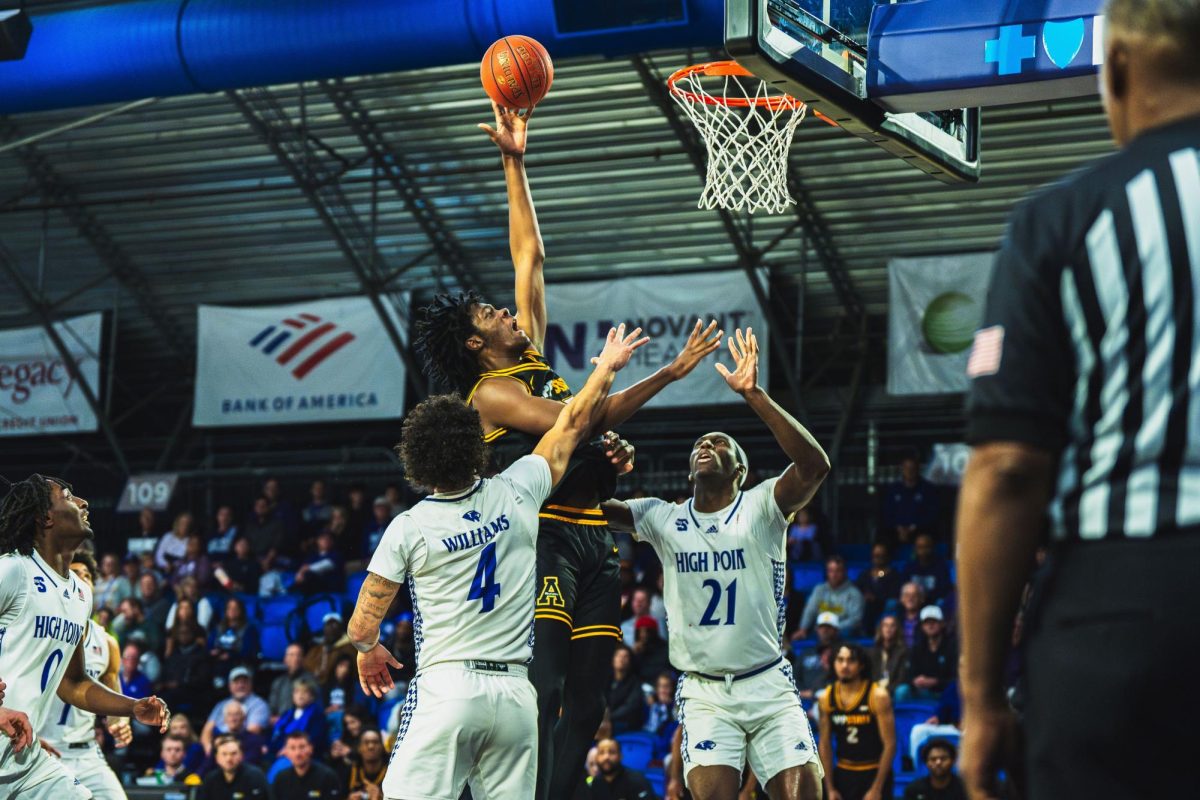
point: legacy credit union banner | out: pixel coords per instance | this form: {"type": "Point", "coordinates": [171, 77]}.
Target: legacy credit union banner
{"type": "Point", "coordinates": [666, 308]}
{"type": "Point", "coordinates": [323, 361]}
{"type": "Point", "coordinates": [37, 394]}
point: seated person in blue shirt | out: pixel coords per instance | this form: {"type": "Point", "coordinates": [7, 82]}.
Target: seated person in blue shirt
{"type": "Point", "coordinates": [324, 570]}
{"type": "Point", "coordinates": [929, 570]}
{"type": "Point", "coordinates": [305, 714]}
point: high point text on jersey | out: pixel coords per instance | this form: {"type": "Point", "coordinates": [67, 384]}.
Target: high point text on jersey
{"type": "Point", "coordinates": [48, 626]}
{"type": "Point", "coordinates": [720, 561]}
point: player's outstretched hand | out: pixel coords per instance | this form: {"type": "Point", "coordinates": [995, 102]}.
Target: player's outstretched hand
{"type": "Point", "coordinates": [700, 344]}
{"type": "Point", "coordinates": [152, 711]}
{"type": "Point", "coordinates": [373, 674]}
{"type": "Point", "coordinates": [618, 348]}
{"type": "Point", "coordinates": [15, 725]}
{"type": "Point", "coordinates": [121, 731]}
{"type": "Point", "coordinates": [620, 452]}
{"type": "Point", "coordinates": [744, 376]}
{"type": "Point", "coordinates": [510, 131]}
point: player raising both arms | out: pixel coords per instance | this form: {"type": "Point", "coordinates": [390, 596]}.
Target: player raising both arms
{"type": "Point", "coordinates": [44, 608]}
{"type": "Point", "coordinates": [71, 732]}
{"type": "Point", "coordinates": [724, 584]}
{"type": "Point", "coordinates": [476, 349]}
{"type": "Point", "coordinates": [467, 555]}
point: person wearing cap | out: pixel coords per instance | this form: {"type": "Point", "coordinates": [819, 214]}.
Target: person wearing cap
{"type": "Point", "coordinates": [838, 595]}
{"type": "Point", "coordinates": [241, 689]}
{"type": "Point", "coordinates": [933, 662]}
{"type": "Point", "coordinates": [814, 664]}
{"type": "Point", "coordinates": [322, 656]}
{"type": "Point", "coordinates": [381, 517]}
{"type": "Point", "coordinates": [725, 587]}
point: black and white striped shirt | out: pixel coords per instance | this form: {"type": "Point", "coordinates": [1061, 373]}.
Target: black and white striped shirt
{"type": "Point", "coordinates": [1091, 340]}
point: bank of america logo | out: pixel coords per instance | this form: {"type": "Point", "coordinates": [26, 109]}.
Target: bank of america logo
{"type": "Point", "coordinates": [309, 341]}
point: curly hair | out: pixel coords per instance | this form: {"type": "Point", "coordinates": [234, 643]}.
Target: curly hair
{"type": "Point", "coordinates": [22, 511]}
{"type": "Point", "coordinates": [441, 444]}
{"type": "Point", "coordinates": [82, 556]}
{"type": "Point", "coordinates": [442, 330]}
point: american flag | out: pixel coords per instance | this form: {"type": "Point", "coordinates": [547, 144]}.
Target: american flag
{"type": "Point", "coordinates": [986, 352]}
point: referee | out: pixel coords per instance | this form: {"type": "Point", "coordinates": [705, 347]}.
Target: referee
{"type": "Point", "coordinates": [1084, 410]}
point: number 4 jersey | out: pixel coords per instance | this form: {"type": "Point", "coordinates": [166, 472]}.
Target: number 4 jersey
{"type": "Point", "coordinates": [469, 562]}
{"type": "Point", "coordinates": [43, 616]}
{"type": "Point", "coordinates": [724, 578]}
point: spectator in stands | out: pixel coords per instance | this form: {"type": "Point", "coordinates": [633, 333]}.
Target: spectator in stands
{"type": "Point", "coordinates": [639, 606]}
{"type": "Point", "coordinates": [189, 590]}
{"type": "Point", "coordinates": [233, 779]}
{"type": "Point", "coordinates": [404, 648]}
{"type": "Point", "coordinates": [241, 689]}
{"type": "Point", "coordinates": [814, 664]}
{"type": "Point", "coordinates": [265, 532]}
{"type": "Point", "coordinates": [111, 586]}
{"type": "Point", "coordinates": [131, 568]}
{"type": "Point", "coordinates": [836, 595]}
{"type": "Point", "coordinates": [626, 706]}
{"type": "Point", "coordinates": [194, 564]}
{"type": "Point", "coordinates": [147, 525]}
{"type": "Point", "coordinates": [171, 767]}
{"type": "Point", "coordinates": [342, 688]}
{"type": "Point", "coordinates": [305, 777]}
{"type": "Point", "coordinates": [614, 782]}
{"type": "Point", "coordinates": [131, 619]}
{"type": "Point", "coordinates": [889, 656]}
{"type": "Point", "coordinates": [324, 570]}
{"type": "Point", "coordinates": [879, 583]}
{"type": "Point", "coordinates": [649, 651]}
{"type": "Point", "coordinates": [254, 747]}
{"type": "Point", "coordinates": [365, 776]}
{"type": "Point", "coordinates": [804, 538]}
{"type": "Point", "coordinates": [173, 544]}
{"type": "Point", "coordinates": [148, 567]}
{"type": "Point", "coordinates": [220, 544]}
{"type": "Point", "coordinates": [912, 600]}
{"type": "Point", "coordinates": [193, 757]}
{"type": "Point", "coordinates": [322, 657]}
{"type": "Point", "coordinates": [134, 682]}
{"type": "Point", "coordinates": [910, 505]}
{"type": "Point", "coordinates": [155, 600]}
{"type": "Point", "coordinates": [234, 640]}
{"type": "Point", "coordinates": [281, 508]}
{"type": "Point", "coordinates": [281, 687]}
{"type": "Point", "coordinates": [241, 571]}
{"type": "Point", "coordinates": [941, 783]}
{"type": "Point", "coordinates": [346, 542]}
{"type": "Point", "coordinates": [933, 662]}
{"type": "Point", "coordinates": [187, 672]}
{"type": "Point", "coordinates": [103, 617]}
{"type": "Point", "coordinates": [305, 715]}
{"type": "Point", "coordinates": [928, 569]}
{"type": "Point", "coordinates": [946, 722]}
{"type": "Point", "coordinates": [358, 514]}
{"type": "Point", "coordinates": [381, 517]}
{"type": "Point", "coordinates": [395, 499]}
{"type": "Point", "coordinates": [355, 720]}
{"type": "Point", "coordinates": [317, 513]}
{"type": "Point", "coordinates": [660, 716]}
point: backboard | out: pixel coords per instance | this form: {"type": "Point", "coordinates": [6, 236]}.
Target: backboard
{"type": "Point", "coordinates": [817, 51]}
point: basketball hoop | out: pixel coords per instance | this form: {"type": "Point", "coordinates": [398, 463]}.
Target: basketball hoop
{"type": "Point", "coordinates": [747, 132]}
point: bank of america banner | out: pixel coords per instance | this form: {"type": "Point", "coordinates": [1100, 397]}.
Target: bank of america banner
{"type": "Point", "coordinates": [38, 396]}
{"type": "Point", "coordinates": [666, 307]}
{"type": "Point", "coordinates": [935, 305]}
{"type": "Point", "coordinates": [324, 361]}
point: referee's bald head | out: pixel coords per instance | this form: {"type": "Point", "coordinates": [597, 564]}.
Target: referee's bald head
{"type": "Point", "coordinates": [1151, 72]}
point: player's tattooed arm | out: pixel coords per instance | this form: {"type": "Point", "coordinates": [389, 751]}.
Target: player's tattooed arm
{"type": "Point", "coordinates": [374, 599]}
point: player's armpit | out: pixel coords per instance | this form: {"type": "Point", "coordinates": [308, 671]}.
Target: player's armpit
{"type": "Point", "coordinates": [374, 599]}
{"type": "Point", "coordinates": [618, 514]}
{"type": "Point", "coordinates": [506, 404]}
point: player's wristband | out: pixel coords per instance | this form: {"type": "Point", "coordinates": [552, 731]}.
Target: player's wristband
{"type": "Point", "coordinates": [365, 648]}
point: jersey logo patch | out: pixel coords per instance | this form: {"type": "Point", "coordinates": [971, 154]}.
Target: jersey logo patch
{"type": "Point", "coordinates": [707, 744]}
{"type": "Point", "coordinates": [66, 595]}
{"type": "Point", "coordinates": [711, 529]}
{"type": "Point", "coordinates": [681, 524]}
{"type": "Point", "coordinates": [473, 516]}
{"type": "Point", "coordinates": [40, 583]}
{"type": "Point", "coordinates": [801, 746]}
{"type": "Point", "coordinates": [551, 595]}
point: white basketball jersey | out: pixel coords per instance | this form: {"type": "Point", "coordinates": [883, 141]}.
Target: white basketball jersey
{"type": "Point", "coordinates": [724, 578]}
{"type": "Point", "coordinates": [470, 564]}
{"type": "Point", "coordinates": [42, 619]}
{"type": "Point", "coordinates": [69, 724]}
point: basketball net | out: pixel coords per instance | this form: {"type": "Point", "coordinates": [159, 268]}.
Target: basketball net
{"type": "Point", "coordinates": [747, 132]}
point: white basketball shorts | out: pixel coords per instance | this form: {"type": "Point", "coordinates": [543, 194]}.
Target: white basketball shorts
{"type": "Point", "coordinates": [34, 774]}
{"type": "Point", "coordinates": [89, 766]}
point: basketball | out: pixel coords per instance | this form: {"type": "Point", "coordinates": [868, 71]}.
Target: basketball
{"type": "Point", "coordinates": [516, 72]}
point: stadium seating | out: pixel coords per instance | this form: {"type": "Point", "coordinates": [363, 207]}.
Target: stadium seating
{"type": "Point", "coordinates": [637, 748]}
{"type": "Point", "coordinates": [658, 781]}
{"type": "Point", "coordinates": [275, 610]}
{"type": "Point", "coordinates": [273, 642]}
{"type": "Point", "coordinates": [353, 584]}
{"type": "Point", "coordinates": [908, 715]}
{"type": "Point", "coordinates": [316, 608]}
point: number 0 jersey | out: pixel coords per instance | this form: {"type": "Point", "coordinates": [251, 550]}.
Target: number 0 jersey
{"type": "Point", "coordinates": [469, 562]}
{"type": "Point", "coordinates": [724, 578]}
{"type": "Point", "coordinates": [42, 619]}
{"type": "Point", "coordinates": [68, 724]}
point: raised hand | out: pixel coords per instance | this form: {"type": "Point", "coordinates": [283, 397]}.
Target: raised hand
{"type": "Point", "coordinates": [618, 348]}
{"type": "Point", "coordinates": [152, 711]}
{"type": "Point", "coordinates": [699, 345]}
{"type": "Point", "coordinates": [620, 452]}
{"type": "Point", "coordinates": [373, 674]}
{"type": "Point", "coordinates": [509, 133]}
{"type": "Point", "coordinates": [744, 376]}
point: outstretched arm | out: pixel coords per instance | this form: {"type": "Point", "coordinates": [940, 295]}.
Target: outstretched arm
{"type": "Point", "coordinates": [80, 690]}
{"type": "Point", "coordinates": [577, 418]}
{"type": "Point", "coordinates": [524, 236]}
{"type": "Point", "coordinates": [374, 599]}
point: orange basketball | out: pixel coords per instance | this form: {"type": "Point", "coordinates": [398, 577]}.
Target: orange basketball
{"type": "Point", "coordinates": [516, 72]}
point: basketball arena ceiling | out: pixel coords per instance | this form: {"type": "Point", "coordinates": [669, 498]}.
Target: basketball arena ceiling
{"type": "Point", "coordinates": [188, 204]}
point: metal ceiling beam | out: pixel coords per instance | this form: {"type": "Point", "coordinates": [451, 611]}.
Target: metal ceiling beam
{"type": "Point", "coordinates": [38, 305]}
{"type": "Point", "coordinates": [402, 180]}
{"type": "Point", "coordinates": [749, 259]}
{"type": "Point", "coordinates": [288, 142]}
{"type": "Point", "coordinates": [118, 263]}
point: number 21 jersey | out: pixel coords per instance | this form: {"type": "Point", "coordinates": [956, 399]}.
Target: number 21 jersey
{"type": "Point", "coordinates": [724, 578]}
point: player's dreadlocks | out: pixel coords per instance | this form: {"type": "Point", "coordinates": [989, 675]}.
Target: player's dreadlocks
{"type": "Point", "coordinates": [26, 504]}
{"type": "Point", "coordinates": [442, 330]}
